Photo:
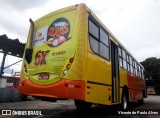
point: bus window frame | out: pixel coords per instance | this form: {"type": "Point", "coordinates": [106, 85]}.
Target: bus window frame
{"type": "Point", "coordinates": [120, 57]}
{"type": "Point", "coordinates": [124, 56]}
{"type": "Point", "coordinates": [123, 59]}
{"type": "Point", "coordinates": [95, 22]}
{"type": "Point", "coordinates": [128, 63]}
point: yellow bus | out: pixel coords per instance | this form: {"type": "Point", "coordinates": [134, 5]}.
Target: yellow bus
{"type": "Point", "coordinates": [70, 54]}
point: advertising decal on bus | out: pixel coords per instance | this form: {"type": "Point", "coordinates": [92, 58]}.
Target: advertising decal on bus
{"type": "Point", "coordinates": [58, 32]}
{"type": "Point", "coordinates": [41, 36]}
{"type": "Point", "coordinates": [53, 50]}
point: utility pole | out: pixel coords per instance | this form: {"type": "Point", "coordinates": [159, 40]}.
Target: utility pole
{"type": "Point", "coordinates": [2, 65]}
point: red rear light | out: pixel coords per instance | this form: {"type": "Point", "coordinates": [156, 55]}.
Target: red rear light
{"type": "Point", "coordinates": [72, 85]}
{"type": "Point", "coordinates": [88, 87]}
{"type": "Point", "coordinates": [77, 86]}
{"type": "Point", "coordinates": [71, 60]}
{"type": "Point", "coordinates": [68, 66]}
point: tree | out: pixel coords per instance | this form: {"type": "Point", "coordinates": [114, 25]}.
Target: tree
{"type": "Point", "coordinates": [152, 68]}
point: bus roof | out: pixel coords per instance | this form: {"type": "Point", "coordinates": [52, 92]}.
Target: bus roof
{"type": "Point", "coordinates": [58, 11]}
{"type": "Point", "coordinates": [83, 6]}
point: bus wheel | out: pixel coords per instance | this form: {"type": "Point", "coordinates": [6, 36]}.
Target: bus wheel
{"type": "Point", "coordinates": [49, 99]}
{"type": "Point", "coordinates": [140, 102]}
{"type": "Point", "coordinates": [23, 97]}
{"type": "Point", "coordinates": [124, 102]}
{"type": "Point", "coordinates": [81, 105]}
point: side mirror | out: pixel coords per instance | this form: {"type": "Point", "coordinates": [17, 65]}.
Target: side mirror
{"type": "Point", "coordinates": [28, 55]}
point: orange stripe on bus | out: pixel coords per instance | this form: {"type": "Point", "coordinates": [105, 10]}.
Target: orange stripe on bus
{"type": "Point", "coordinates": [63, 89]}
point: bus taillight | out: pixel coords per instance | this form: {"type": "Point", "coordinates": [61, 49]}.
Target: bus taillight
{"type": "Point", "coordinates": [68, 66]}
{"type": "Point", "coordinates": [72, 86]}
{"type": "Point", "coordinates": [71, 59]}
{"type": "Point", "coordinates": [65, 72]}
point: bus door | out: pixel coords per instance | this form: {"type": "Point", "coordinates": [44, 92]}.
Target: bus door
{"type": "Point", "coordinates": [115, 73]}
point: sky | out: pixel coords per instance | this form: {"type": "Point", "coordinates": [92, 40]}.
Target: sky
{"type": "Point", "coordinates": [135, 23]}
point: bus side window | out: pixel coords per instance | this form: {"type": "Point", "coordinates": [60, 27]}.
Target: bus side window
{"type": "Point", "coordinates": [99, 40]}
{"type": "Point", "coordinates": [104, 51]}
{"type": "Point", "coordinates": [104, 37]}
{"type": "Point", "coordinates": [124, 59]}
{"type": "Point", "coordinates": [94, 44]}
{"type": "Point", "coordinates": [94, 36]}
{"type": "Point", "coordinates": [138, 70]}
{"type": "Point", "coordinates": [128, 67]}
{"type": "Point", "coordinates": [120, 62]}
{"type": "Point", "coordinates": [104, 44]}
{"type": "Point", "coordinates": [139, 73]}
{"type": "Point", "coordinates": [93, 29]}
{"type": "Point", "coordinates": [142, 74]}
{"type": "Point", "coordinates": [120, 57]}
{"type": "Point", "coordinates": [135, 68]}
{"type": "Point", "coordinates": [130, 62]}
{"type": "Point", "coordinates": [119, 51]}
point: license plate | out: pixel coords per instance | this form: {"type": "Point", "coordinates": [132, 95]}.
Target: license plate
{"type": "Point", "coordinates": [43, 76]}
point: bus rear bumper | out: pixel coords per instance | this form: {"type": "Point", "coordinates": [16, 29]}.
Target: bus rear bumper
{"type": "Point", "coordinates": [64, 89]}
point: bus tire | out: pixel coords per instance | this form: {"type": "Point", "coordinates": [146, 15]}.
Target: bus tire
{"type": "Point", "coordinates": [125, 101]}
{"type": "Point", "coordinates": [23, 97]}
{"type": "Point", "coordinates": [81, 105]}
{"type": "Point", "coordinates": [140, 102]}
{"type": "Point", "coordinates": [48, 99]}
